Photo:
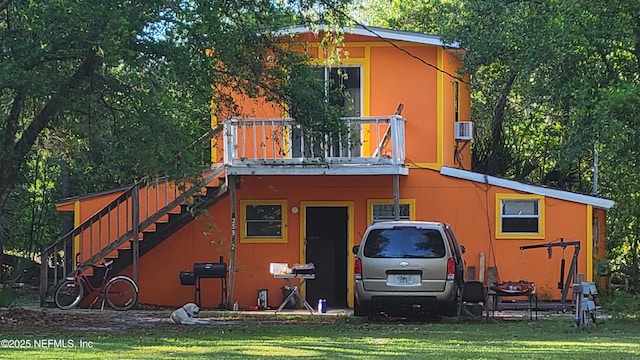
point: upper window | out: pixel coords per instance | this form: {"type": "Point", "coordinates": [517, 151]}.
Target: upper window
{"type": "Point", "coordinates": [264, 221]}
{"type": "Point", "coordinates": [343, 88]}
{"type": "Point", "coordinates": [520, 216]}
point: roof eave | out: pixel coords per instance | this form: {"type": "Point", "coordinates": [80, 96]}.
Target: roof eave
{"type": "Point", "coordinates": [386, 34]}
{"type": "Point", "coordinates": [528, 188]}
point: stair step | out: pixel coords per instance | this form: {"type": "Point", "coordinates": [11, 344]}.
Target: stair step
{"type": "Point", "coordinates": [124, 252]}
{"type": "Point", "coordinates": [212, 190]}
{"type": "Point", "coordinates": [174, 216]}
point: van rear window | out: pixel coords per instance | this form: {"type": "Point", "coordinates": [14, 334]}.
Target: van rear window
{"type": "Point", "coordinates": [404, 242]}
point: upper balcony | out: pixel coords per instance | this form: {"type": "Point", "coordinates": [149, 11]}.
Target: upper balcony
{"type": "Point", "coordinates": [280, 146]}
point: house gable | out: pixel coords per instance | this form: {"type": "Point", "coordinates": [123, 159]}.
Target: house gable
{"type": "Point", "coordinates": [394, 67]}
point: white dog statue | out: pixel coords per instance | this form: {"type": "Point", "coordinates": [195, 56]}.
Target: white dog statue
{"type": "Point", "coordinates": [184, 315]}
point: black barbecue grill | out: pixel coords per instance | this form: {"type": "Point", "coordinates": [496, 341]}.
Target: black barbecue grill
{"type": "Point", "coordinates": [208, 271]}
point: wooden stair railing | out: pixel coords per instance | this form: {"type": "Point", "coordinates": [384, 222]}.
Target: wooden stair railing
{"type": "Point", "coordinates": [116, 220]}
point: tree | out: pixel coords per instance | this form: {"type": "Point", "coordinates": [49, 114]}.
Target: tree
{"type": "Point", "coordinates": [619, 129]}
{"type": "Point", "coordinates": [131, 82]}
{"type": "Point", "coordinates": [554, 83]}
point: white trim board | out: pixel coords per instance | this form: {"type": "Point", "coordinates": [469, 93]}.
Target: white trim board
{"type": "Point", "coordinates": [372, 31]}
{"type": "Point", "coordinates": [527, 188]}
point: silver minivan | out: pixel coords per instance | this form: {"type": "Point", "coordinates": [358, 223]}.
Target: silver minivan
{"type": "Point", "coordinates": [405, 267]}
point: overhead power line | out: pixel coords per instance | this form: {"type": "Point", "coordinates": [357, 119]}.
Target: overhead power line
{"type": "Point", "coordinates": [390, 42]}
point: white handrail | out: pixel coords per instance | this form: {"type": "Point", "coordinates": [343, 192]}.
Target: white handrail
{"type": "Point", "coordinates": [280, 140]}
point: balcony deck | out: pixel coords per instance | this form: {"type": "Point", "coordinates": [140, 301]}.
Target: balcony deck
{"type": "Point", "coordinates": [280, 146]}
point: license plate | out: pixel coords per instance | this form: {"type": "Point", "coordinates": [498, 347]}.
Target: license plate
{"type": "Point", "coordinates": [404, 279]}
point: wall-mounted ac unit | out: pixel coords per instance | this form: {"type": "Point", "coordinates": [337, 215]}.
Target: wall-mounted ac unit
{"type": "Point", "coordinates": [464, 131]}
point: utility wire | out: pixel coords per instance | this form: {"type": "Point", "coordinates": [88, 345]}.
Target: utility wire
{"type": "Point", "coordinates": [407, 52]}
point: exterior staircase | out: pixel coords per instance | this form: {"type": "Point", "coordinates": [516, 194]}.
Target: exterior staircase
{"type": "Point", "coordinates": [152, 211]}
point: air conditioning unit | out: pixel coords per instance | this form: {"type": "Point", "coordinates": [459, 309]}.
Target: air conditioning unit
{"type": "Point", "coordinates": [464, 131]}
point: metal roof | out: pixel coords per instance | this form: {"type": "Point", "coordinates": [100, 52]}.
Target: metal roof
{"type": "Point", "coordinates": [377, 32]}
{"type": "Point", "coordinates": [528, 188]}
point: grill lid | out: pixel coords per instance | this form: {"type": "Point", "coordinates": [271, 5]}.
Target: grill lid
{"type": "Point", "coordinates": [210, 270]}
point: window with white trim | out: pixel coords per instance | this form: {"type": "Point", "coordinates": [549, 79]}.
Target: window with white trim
{"type": "Point", "coordinates": [520, 216]}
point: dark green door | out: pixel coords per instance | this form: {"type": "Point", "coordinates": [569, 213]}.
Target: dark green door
{"type": "Point", "coordinates": [326, 247]}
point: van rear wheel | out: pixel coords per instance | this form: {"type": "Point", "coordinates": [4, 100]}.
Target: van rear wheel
{"type": "Point", "coordinates": [451, 310]}
{"type": "Point", "coordinates": [359, 309]}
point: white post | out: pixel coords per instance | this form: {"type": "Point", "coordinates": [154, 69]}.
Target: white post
{"type": "Point", "coordinates": [595, 166]}
{"type": "Point", "coordinates": [394, 139]}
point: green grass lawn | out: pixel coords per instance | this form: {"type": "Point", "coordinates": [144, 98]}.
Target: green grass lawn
{"type": "Point", "coordinates": [316, 337]}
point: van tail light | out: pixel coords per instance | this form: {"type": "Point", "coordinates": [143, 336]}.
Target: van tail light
{"type": "Point", "coordinates": [451, 269]}
{"type": "Point", "coordinates": [357, 269]}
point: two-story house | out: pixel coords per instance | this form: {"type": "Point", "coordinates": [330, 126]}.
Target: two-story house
{"type": "Point", "coordinates": [275, 195]}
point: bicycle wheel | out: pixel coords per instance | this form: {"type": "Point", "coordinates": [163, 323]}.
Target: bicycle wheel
{"type": "Point", "coordinates": [68, 295]}
{"type": "Point", "coordinates": [121, 293]}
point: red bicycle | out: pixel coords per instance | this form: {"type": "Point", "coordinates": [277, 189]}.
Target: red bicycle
{"type": "Point", "coordinates": [120, 292]}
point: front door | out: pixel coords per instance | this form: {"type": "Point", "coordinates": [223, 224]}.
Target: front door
{"type": "Point", "coordinates": [326, 238]}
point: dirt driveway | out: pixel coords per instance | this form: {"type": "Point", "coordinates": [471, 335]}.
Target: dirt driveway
{"type": "Point", "coordinates": [95, 319]}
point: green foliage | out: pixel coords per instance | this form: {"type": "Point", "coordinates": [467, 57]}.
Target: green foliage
{"type": "Point", "coordinates": [554, 85]}
{"type": "Point", "coordinates": [9, 275]}
{"type": "Point", "coordinates": [7, 295]}
{"type": "Point", "coordinates": [88, 105]}
{"type": "Point", "coordinates": [36, 221]}
{"type": "Point", "coordinates": [412, 15]}
{"type": "Point", "coordinates": [618, 126]}
{"type": "Point", "coordinates": [621, 305]}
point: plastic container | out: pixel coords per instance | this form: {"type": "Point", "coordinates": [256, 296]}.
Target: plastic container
{"type": "Point", "coordinates": [278, 268]}
{"type": "Point", "coordinates": [262, 299]}
{"type": "Point", "coordinates": [322, 306]}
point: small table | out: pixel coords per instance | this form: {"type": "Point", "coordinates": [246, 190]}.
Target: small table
{"type": "Point", "coordinates": [531, 295]}
{"type": "Point", "coordinates": [295, 289]}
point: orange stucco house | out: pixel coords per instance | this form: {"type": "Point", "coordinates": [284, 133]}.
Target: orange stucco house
{"type": "Point", "coordinates": [275, 196]}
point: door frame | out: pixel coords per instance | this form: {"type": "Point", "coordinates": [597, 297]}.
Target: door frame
{"type": "Point", "coordinates": [350, 205]}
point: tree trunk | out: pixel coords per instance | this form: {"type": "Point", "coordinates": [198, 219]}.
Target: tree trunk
{"type": "Point", "coordinates": [494, 162]}
{"type": "Point", "coordinates": [16, 144]}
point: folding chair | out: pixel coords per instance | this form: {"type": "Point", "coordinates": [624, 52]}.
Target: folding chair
{"type": "Point", "coordinates": [474, 292]}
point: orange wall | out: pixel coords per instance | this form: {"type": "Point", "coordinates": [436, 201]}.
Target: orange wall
{"type": "Point", "coordinates": [468, 207]}
{"type": "Point", "coordinates": [197, 242]}
{"type": "Point", "coordinates": [397, 78]}
{"type": "Point", "coordinates": [90, 241]}
{"type": "Point", "coordinates": [390, 77]}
